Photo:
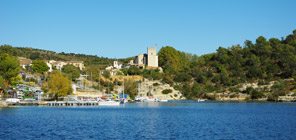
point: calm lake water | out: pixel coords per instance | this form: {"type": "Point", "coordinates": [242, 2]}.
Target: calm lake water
{"type": "Point", "coordinates": [179, 120]}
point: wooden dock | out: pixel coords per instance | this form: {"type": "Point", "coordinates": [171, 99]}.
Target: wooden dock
{"type": "Point", "coordinates": [57, 103]}
{"type": "Point", "coordinates": [73, 103]}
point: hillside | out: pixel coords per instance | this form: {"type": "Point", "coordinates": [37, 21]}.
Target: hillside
{"type": "Point", "coordinates": [229, 69]}
{"type": "Point", "coordinates": [263, 69]}
{"type": "Point", "coordinates": [37, 54]}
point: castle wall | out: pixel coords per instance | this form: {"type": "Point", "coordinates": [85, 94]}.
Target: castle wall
{"type": "Point", "coordinates": [140, 59]}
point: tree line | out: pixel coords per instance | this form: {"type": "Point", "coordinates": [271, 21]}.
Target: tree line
{"type": "Point", "coordinates": [38, 54]}
{"type": "Point", "coordinates": [262, 61]}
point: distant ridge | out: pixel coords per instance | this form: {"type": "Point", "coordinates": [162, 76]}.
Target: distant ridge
{"type": "Point", "coordinates": [37, 54]}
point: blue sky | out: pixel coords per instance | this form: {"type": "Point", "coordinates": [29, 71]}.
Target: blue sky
{"type": "Point", "coordinates": [124, 28]}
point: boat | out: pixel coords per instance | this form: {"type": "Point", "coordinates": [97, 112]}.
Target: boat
{"type": "Point", "coordinates": [123, 100]}
{"type": "Point", "coordinates": [162, 100]}
{"type": "Point", "coordinates": [139, 99]}
{"type": "Point", "coordinates": [108, 102]}
{"type": "Point", "coordinates": [12, 100]}
{"type": "Point", "coordinates": [29, 99]}
{"type": "Point", "coordinates": [150, 99]}
{"type": "Point", "coordinates": [200, 100]}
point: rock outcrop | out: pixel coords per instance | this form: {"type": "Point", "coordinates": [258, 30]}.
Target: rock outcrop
{"type": "Point", "coordinates": [3, 104]}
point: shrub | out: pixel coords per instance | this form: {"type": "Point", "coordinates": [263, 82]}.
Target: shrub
{"type": "Point", "coordinates": [133, 70]}
{"type": "Point", "coordinates": [155, 84]}
{"type": "Point", "coordinates": [279, 88]}
{"type": "Point", "coordinates": [257, 95]}
{"type": "Point", "coordinates": [211, 97]}
{"type": "Point", "coordinates": [210, 88]}
{"type": "Point", "coordinates": [182, 77]}
{"type": "Point", "coordinates": [177, 87]}
{"type": "Point", "coordinates": [167, 91]}
{"type": "Point", "coordinates": [233, 89]}
{"type": "Point", "coordinates": [233, 96]}
{"type": "Point", "coordinates": [261, 82]}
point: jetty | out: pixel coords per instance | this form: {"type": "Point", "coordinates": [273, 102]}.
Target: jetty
{"type": "Point", "coordinates": [56, 103]}
{"type": "Point", "coordinates": [73, 103]}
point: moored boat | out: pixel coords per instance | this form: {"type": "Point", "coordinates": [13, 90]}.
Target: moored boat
{"type": "Point", "coordinates": [108, 103]}
{"type": "Point", "coordinates": [162, 100]}
{"type": "Point", "coordinates": [123, 100]}
{"type": "Point", "coordinates": [200, 100]}
{"type": "Point", "coordinates": [139, 99]}
{"type": "Point", "coordinates": [150, 99]}
{"type": "Point", "coordinates": [12, 100]}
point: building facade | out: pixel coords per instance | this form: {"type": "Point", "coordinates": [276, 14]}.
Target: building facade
{"type": "Point", "coordinates": [25, 62]}
{"type": "Point", "coordinates": [59, 64]}
{"type": "Point", "coordinates": [150, 59]}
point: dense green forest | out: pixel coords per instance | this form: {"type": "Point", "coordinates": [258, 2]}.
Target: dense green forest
{"type": "Point", "coordinates": [260, 62]}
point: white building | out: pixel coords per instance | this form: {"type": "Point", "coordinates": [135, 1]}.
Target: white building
{"type": "Point", "coordinates": [116, 65]}
{"type": "Point", "coordinates": [50, 66]}
{"type": "Point", "coordinates": [59, 64]}
{"type": "Point", "coordinates": [115, 68]}
{"type": "Point", "coordinates": [25, 62]}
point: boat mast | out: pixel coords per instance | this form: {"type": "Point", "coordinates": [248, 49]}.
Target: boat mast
{"type": "Point", "coordinates": [145, 87]}
{"type": "Point", "coordinates": [116, 87]}
{"type": "Point", "coordinates": [123, 89]}
{"type": "Point", "coordinates": [99, 81]}
{"type": "Point", "coordinates": [152, 87]}
{"type": "Point", "coordinates": [108, 88]}
{"type": "Point", "coordinates": [139, 88]}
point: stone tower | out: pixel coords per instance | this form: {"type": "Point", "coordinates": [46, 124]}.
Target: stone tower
{"type": "Point", "coordinates": [152, 57]}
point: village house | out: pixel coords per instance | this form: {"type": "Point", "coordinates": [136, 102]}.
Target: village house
{"type": "Point", "coordinates": [78, 64]}
{"type": "Point", "coordinates": [59, 64]}
{"type": "Point", "coordinates": [25, 62]}
{"type": "Point", "coordinates": [50, 66]}
{"type": "Point", "coordinates": [115, 68]}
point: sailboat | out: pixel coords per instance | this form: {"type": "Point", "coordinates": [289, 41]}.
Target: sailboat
{"type": "Point", "coordinates": [108, 102]}
{"type": "Point", "coordinates": [139, 98]}
{"type": "Point", "coordinates": [151, 98]}
{"type": "Point", "coordinates": [123, 100]}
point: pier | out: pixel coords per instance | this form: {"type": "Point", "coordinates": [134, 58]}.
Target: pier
{"type": "Point", "coordinates": [56, 103]}
{"type": "Point", "coordinates": [73, 103]}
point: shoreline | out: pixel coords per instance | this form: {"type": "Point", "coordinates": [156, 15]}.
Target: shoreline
{"type": "Point", "coordinates": [3, 104]}
{"type": "Point", "coordinates": [171, 101]}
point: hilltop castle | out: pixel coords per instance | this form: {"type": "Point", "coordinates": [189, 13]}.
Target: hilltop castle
{"type": "Point", "coordinates": [150, 59]}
